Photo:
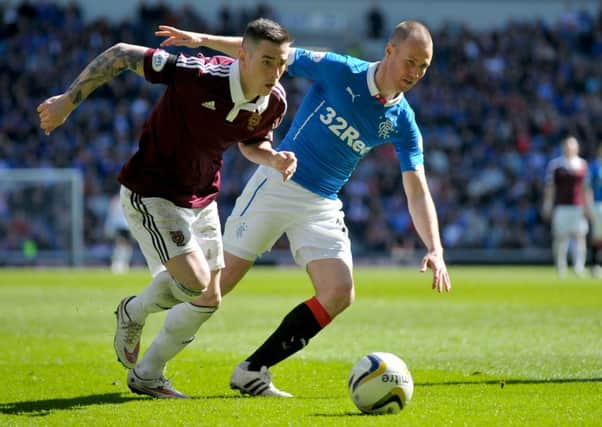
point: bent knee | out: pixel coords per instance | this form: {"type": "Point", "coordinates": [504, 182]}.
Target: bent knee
{"type": "Point", "coordinates": [209, 299]}
{"type": "Point", "coordinates": [200, 281]}
{"type": "Point", "coordinates": [191, 270]}
{"type": "Point", "coordinates": [337, 298]}
{"type": "Point", "coordinates": [345, 292]}
{"type": "Point", "coordinates": [194, 286]}
{"type": "Point", "coordinates": [346, 299]}
{"type": "Point", "coordinates": [351, 298]}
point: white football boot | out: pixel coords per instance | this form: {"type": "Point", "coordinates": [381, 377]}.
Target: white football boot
{"type": "Point", "coordinates": [127, 336]}
{"type": "Point", "coordinates": [160, 388]}
{"type": "Point", "coordinates": [255, 383]}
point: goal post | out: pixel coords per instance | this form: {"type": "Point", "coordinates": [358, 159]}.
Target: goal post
{"type": "Point", "coordinates": [41, 216]}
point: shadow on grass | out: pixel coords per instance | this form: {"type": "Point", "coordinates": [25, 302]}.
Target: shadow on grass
{"type": "Point", "coordinates": [222, 396]}
{"type": "Point", "coordinates": [42, 408]}
{"type": "Point", "coordinates": [344, 414]}
{"type": "Point", "coordinates": [511, 381]}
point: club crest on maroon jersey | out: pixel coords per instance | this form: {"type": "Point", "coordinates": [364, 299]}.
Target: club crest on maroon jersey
{"type": "Point", "coordinates": [253, 121]}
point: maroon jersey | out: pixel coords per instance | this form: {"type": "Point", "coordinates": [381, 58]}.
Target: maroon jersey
{"type": "Point", "coordinates": [568, 178]}
{"type": "Point", "coordinates": [200, 115]}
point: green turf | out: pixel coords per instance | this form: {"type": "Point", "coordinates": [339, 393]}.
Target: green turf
{"type": "Point", "coordinates": [521, 328]}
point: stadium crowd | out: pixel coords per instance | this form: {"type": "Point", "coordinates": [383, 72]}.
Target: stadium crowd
{"type": "Point", "coordinates": [492, 108]}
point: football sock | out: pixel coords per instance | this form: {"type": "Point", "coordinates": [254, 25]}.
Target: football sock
{"type": "Point", "coordinates": [594, 251]}
{"type": "Point", "coordinates": [183, 293]}
{"type": "Point", "coordinates": [297, 328]}
{"type": "Point", "coordinates": [157, 296]}
{"type": "Point", "coordinates": [561, 248]}
{"type": "Point", "coordinates": [181, 324]}
{"type": "Point", "coordinates": [580, 254]}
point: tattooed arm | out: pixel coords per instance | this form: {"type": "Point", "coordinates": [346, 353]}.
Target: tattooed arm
{"type": "Point", "coordinates": [54, 111]}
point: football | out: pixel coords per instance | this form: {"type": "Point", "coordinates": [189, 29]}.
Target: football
{"type": "Point", "coordinates": [380, 383]}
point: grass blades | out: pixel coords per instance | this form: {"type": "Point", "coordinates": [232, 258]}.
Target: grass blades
{"type": "Point", "coordinates": [507, 347]}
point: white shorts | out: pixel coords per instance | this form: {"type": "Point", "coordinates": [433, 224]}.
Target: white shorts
{"type": "Point", "coordinates": [269, 207]}
{"type": "Point", "coordinates": [597, 223]}
{"type": "Point", "coordinates": [164, 230]}
{"type": "Point", "coordinates": [569, 220]}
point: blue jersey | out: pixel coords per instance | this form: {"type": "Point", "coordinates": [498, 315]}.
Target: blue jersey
{"type": "Point", "coordinates": [595, 179]}
{"type": "Point", "coordinates": [342, 118]}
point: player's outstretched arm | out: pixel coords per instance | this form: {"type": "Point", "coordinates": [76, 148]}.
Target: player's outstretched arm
{"type": "Point", "coordinates": [284, 162]}
{"type": "Point", "coordinates": [424, 216]}
{"type": "Point", "coordinates": [54, 111]}
{"type": "Point", "coordinates": [176, 37]}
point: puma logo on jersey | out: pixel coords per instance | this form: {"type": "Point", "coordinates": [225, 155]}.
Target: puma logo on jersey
{"type": "Point", "coordinates": [350, 92]}
{"type": "Point", "coordinates": [210, 105]}
{"type": "Point", "coordinates": [339, 126]}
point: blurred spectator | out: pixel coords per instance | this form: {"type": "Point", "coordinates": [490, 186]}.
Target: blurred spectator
{"type": "Point", "coordinates": [595, 179]}
{"type": "Point", "coordinates": [375, 21]}
{"type": "Point", "coordinates": [565, 200]}
{"type": "Point", "coordinates": [116, 229]}
{"type": "Point", "coordinates": [492, 108]}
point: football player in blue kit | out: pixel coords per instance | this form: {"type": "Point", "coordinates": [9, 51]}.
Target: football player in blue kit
{"type": "Point", "coordinates": [352, 107]}
{"type": "Point", "coordinates": [595, 201]}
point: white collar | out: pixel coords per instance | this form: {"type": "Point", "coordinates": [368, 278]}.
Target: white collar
{"type": "Point", "coordinates": [371, 78]}
{"type": "Point", "coordinates": [238, 96]}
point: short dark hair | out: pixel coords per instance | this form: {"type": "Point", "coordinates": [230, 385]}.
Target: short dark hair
{"type": "Point", "coordinates": [266, 29]}
{"type": "Point", "coordinates": [567, 138]}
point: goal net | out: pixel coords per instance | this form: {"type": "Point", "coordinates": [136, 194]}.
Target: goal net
{"type": "Point", "coordinates": [41, 217]}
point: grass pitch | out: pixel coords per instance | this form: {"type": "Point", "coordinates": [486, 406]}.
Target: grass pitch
{"type": "Point", "coordinates": [508, 347]}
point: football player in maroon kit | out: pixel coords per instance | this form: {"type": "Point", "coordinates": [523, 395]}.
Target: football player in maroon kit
{"type": "Point", "coordinates": [566, 197]}
{"type": "Point", "coordinates": [169, 186]}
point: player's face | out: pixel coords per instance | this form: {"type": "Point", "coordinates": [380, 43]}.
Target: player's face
{"type": "Point", "coordinates": [571, 147]}
{"type": "Point", "coordinates": [407, 62]}
{"type": "Point", "coordinates": [261, 66]}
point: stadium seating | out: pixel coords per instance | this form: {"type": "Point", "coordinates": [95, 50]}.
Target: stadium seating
{"type": "Point", "coordinates": [492, 109]}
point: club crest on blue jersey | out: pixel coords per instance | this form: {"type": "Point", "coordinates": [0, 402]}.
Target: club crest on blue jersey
{"type": "Point", "coordinates": [385, 129]}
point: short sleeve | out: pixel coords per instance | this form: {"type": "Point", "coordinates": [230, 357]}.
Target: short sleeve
{"type": "Point", "coordinates": [317, 66]}
{"type": "Point", "coordinates": [409, 147]}
{"type": "Point", "coordinates": [159, 66]}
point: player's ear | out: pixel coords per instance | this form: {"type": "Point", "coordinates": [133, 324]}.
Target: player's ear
{"type": "Point", "coordinates": [389, 49]}
{"type": "Point", "coordinates": [242, 54]}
